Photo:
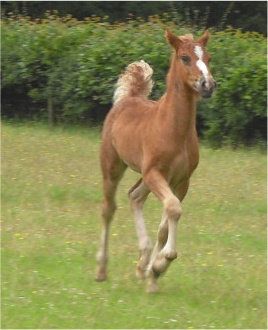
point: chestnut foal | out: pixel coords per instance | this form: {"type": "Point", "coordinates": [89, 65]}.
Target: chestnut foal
{"type": "Point", "coordinates": [158, 140]}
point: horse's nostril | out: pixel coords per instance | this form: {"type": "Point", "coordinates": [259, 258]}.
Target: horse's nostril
{"type": "Point", "coordinates": [202, 81]}
{"type": "Point", "coordinates": [203, 84]}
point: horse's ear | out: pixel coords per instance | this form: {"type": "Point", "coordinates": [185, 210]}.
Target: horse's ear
{"type": "Point", "coordinates": [172, 39]}
{"type": "Point", "coordinates": [203, 40]}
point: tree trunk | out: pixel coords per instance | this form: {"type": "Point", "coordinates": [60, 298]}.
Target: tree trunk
{"type": "Point", "coordinates": [50, 112]}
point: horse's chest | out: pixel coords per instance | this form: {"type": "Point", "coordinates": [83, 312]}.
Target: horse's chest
{"type": "Point", "coordinates": [183, 165]}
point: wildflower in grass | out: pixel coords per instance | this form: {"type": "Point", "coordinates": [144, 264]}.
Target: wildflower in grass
{"type": "Point", "coordinates": [19, 236]}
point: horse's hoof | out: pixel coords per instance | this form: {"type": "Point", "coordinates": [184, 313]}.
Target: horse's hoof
{"type": "Point", "coordinates": [101, 277]}
{"type": "Point", "coordinates": [160, 265]}
{"type": "Point", "coordinates": [152, 287]}
{"type": "Point", "coordinates": [171, 255]}
{"type": "Point", "coordinates": [140, 273]}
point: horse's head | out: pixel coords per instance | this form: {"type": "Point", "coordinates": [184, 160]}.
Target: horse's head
{"type": "Point", "coordinates": [191, 62]}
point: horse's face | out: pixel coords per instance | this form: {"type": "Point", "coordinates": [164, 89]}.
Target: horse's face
{"type": "Point", "coordinates": [191, 62]}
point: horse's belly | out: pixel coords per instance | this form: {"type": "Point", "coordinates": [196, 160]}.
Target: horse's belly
{"type": "Point", "coordinates": [131, 164]}
{"type": "Point", "coordinates": [131, 159]}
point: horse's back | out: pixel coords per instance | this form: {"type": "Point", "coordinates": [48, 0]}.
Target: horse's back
{"type": "Point", "coordinates": [126, 127]}
{"type": "Point", "coordinates": [131, 113]}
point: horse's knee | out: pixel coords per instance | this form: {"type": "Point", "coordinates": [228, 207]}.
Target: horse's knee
{"type": "Point", "coordinates": [173, 208]}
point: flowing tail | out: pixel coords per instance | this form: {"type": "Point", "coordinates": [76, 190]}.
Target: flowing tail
{"type": "Point", "coordinates": [135, 81]}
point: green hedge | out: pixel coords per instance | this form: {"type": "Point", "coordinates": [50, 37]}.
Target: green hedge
{"type": "Point", "coordinates": [67, 69]}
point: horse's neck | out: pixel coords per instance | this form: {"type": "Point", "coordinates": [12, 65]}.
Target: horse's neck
{"type": "Point", "coordinates": [178, 106]}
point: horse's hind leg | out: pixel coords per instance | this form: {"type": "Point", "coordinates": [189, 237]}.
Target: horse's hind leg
{"type": "Point", "coordinates": [138, 195]}
{"type": "Point", "coordinates": [113, 170]}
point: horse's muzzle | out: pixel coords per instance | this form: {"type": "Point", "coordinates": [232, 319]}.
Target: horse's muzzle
{"type": "Point", "coordinates": [207, 87]}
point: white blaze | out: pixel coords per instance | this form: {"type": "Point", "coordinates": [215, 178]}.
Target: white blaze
{"type": "Point", "coordinates": [200, 64]}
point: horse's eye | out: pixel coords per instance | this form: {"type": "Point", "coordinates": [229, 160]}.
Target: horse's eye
{"type": "Point", "coordinates": [186, 59]}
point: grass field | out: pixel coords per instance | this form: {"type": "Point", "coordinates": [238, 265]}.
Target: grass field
{"type": "Point", "coordinates": [51, 197]}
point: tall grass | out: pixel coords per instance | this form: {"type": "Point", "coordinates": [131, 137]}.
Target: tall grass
{"type": "Point", "coordinates": [51, 224]}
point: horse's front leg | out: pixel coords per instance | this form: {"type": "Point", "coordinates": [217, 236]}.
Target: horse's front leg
{"type": "Point", "coordinates": [160, 260]}
{"type": "Point", "coordinates": [163, 247]}
{"type": "Point", "coordinates": [162, 236]}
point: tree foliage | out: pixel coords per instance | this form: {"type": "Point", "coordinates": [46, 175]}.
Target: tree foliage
{"type": "Point", "coordinates": [71, 66]}
{"type": "Point", "coordinates": [246, 15]}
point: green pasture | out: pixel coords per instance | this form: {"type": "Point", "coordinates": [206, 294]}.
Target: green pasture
{"type": "Point", "coordinates": [51, 198]}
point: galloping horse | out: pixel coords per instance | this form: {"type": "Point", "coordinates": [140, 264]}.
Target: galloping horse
{"type": "Point", "coordinates": [159, 140]}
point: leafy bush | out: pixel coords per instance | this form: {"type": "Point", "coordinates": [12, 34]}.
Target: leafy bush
{"type": "Point", "coordinates": [66, 69]}
{"type": "Point", "coordinates": [237, 112]}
